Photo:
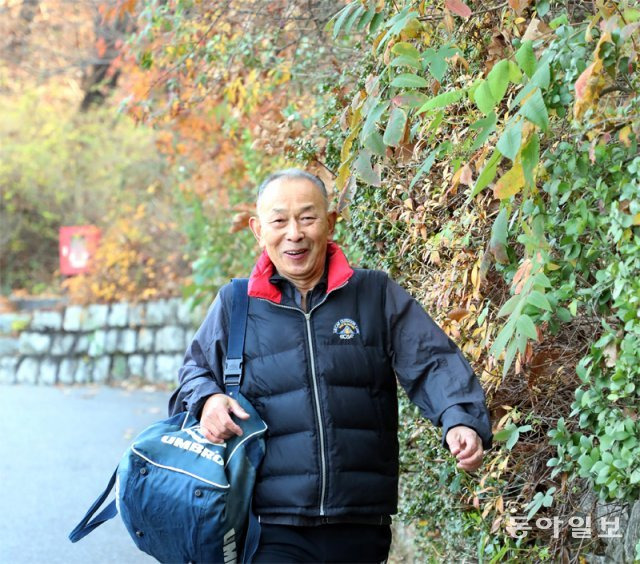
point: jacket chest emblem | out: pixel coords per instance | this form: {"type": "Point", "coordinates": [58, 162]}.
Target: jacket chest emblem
{"type": "Point", "coordinates": [346, 328]}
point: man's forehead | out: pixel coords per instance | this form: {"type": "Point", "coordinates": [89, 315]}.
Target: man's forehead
{"type": "Point", "coordinates": [284, 194]}
{"type": "Point", "coordinates": [278, 208]}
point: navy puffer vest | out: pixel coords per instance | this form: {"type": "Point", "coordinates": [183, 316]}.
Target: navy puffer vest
{"type": "Point", "coordinates": [323, 383]}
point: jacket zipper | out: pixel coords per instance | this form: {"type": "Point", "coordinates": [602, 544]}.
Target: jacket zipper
{"type": "Point", "coordinates": [316, 394]}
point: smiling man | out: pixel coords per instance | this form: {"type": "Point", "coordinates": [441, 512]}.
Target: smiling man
{"type": "Point", "coordinates": [325, 344]}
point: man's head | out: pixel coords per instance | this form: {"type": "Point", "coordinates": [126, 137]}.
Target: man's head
{"type": "Point", "coordinates": [294, 225]}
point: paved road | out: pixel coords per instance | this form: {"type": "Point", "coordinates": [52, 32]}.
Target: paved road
{"type": "Point", "coordinates": [58, 448]}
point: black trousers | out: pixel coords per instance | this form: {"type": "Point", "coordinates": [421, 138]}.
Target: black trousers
{"type": "Point", "coordinates": [324, 543]}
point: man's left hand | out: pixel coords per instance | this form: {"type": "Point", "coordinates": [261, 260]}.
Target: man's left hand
{"type": "Point", "coordinates": [466, 446]}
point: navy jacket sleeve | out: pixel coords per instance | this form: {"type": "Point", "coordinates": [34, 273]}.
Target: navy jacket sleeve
{"type": "Point", "coordinates": [431, 368]}
{"type": "Point", "coordinates": [201, 374]}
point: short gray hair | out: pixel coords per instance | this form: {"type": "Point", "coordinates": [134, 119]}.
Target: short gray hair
{"type": "Point", "coordinates": [294, 174]}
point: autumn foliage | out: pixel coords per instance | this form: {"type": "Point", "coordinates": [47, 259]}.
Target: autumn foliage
{"type": "Point", "coordinates": [485, 154]}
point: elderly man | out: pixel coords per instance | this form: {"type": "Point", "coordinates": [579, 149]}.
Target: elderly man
{"type": "Point", "coordinates": [325, 343]}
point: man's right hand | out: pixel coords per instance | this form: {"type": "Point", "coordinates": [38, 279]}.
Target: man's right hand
{"type": "Point", "coordinates": [216, 422]}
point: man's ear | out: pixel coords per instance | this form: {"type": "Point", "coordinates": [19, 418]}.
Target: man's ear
{"type": "Point", "coordinates": [332, 217]}
{"type": "Point", "coordinates": [256, 229]}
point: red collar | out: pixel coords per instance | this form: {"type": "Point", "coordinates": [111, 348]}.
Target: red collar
{"type": "Point", "coordinates": [261, 287]}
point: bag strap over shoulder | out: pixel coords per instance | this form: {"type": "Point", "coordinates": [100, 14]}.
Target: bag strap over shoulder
{"type": "Point", "coordinates": [235, 344]}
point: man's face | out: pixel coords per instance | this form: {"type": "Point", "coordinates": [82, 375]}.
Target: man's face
{"type": "Point", "coordinates": [294, 227]}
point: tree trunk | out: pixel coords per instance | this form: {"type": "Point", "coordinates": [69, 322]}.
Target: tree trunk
{"type": "Point", "coordinates": [101, 79]}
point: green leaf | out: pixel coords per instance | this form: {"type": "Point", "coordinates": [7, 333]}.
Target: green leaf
{"type": "Point", "coordinates": [339, 19]}
{"type": "Point", "coordinates": [542, 7]}
{"type": "Point", "coordinates": [513, 439]}
{"type": "Point", "coordinates": [510, 305]}
{"type": "Point", "coordinates": [397, 24]}
{"type": "Point", "coordinates": [442, 100]}
{"type": "Point", "coordinates": [503, 337]}
{"type": "Point", "coordinates": [510, 140]}
{"type": "Point", "coordinates": [526, 326]}
{"type": "Point", "coordinates": [542, 77]}
{"type": "Point", "coordinates": [410, 99]}
{"type": "Point", "coordinates": [530, 158]}
{"type": "Point", "coordinates": [433, 126]}
{"type": "Point", "coordinates": [631, 15]}
{"type": "Point", "coordinates": [504, 434]}
{"type": "Point", "coordinates": [364, 170]}
{"type": "Point", "coordinates": [484, 98]}
{"type": "Point", "coordinates": [539, 300]}
{"type": "Point", "coordinates": [498, 243]}
{"type": "Point", "coordinates": [541, 279]}
{"type": "Point", "coordinates": [375, 144]}
{"type": "Point", "coordinates": [535, 110]}
{"type": "Point", "coordinates": [562, 19]}
{"type": "Point", "coordinates": [355, 15]}
{"type": "Point", "coordinates": [395, 128]}
{"type": "Point", "coordinates": [535, 504]}
{"type": "Point", "coordinates": [498, 79]}
{"type": "Point", "coordinates": [408, 80]}
{"type": "Point", "coordinates": [405, 49]}
{"type": "Point", "coordinates": [372, 119]}
{"type": "Point", "coordinates": [521, 342]}
{"type": "Point", "coordinates": [367, 17]}
{"type": "Point", "coordinates": [436, 61]}
{"type": "Point", "coordinates": [515, 75]}
{"type": "Point", "coordinates": [486, 126]}
{"type": "Point", "coordinates": [573, 307]}
{"type": "Point", "coordinates": [424, 169]}
{"type": "Point", "coordinates": [377, 20]}
{"type": "Point", "coordinates": [508, 357]}
{"type": "Point", "coordinates": [526, 58]}
{"type": "Point", "coordinates": [488, 173]}
{"type": "Point", "coordinates": [146, 61]}
{"type": "Point", "coordinates": [404, 61]}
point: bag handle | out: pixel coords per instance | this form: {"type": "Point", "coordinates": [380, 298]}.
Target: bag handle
{"type": "Point", "coordinates": [109, 512]}
{"type": "Point", "coordinates": [235, 343]}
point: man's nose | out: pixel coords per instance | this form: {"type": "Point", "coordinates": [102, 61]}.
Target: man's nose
{"type": "Point", "coordinates": [294, 233]}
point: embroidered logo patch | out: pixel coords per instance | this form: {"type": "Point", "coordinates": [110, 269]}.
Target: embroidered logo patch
{"type": "Point", "coordinates": [346, 328]}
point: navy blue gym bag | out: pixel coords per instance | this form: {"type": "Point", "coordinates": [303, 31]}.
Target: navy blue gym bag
{"type": "Point", "coordinates": [181, 497]}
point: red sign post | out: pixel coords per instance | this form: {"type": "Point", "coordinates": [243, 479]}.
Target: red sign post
{"type": "Point", "coordinates": [78, 244]}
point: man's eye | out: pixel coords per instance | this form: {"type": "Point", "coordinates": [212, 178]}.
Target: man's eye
{"type": "Point", "coordinates": [308, 218]}
{"type": "Point", "coordinates": [278, 221]}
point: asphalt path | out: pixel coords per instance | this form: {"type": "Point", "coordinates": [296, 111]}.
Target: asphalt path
{"type": "Point", "coordinates": [58, 449]}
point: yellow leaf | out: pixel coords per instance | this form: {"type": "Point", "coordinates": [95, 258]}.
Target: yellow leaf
{"type": "Point", "coordinates": [590, 83]}
{"type": "Point", "coordinates": [343, 174]}
{"type": "Point", "coordinates": [474, 275]}
{"type": "Point", "coordinates": [458, 314]}
{"type": "Point", "coordinates": [636, 219]}
{"type": "Point", "coordinates": [456, 178]}
{"type": "Point", "coordinates": [624, 136]}
{"type": "Point", "coordinates": [510, 183]}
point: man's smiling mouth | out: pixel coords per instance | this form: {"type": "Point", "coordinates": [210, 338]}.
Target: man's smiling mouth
{"type": "Point", "coordinates": [295, 253]}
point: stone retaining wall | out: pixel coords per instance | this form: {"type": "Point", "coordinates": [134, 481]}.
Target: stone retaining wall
{"type": "Point", "coordinates": [97, 343]}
